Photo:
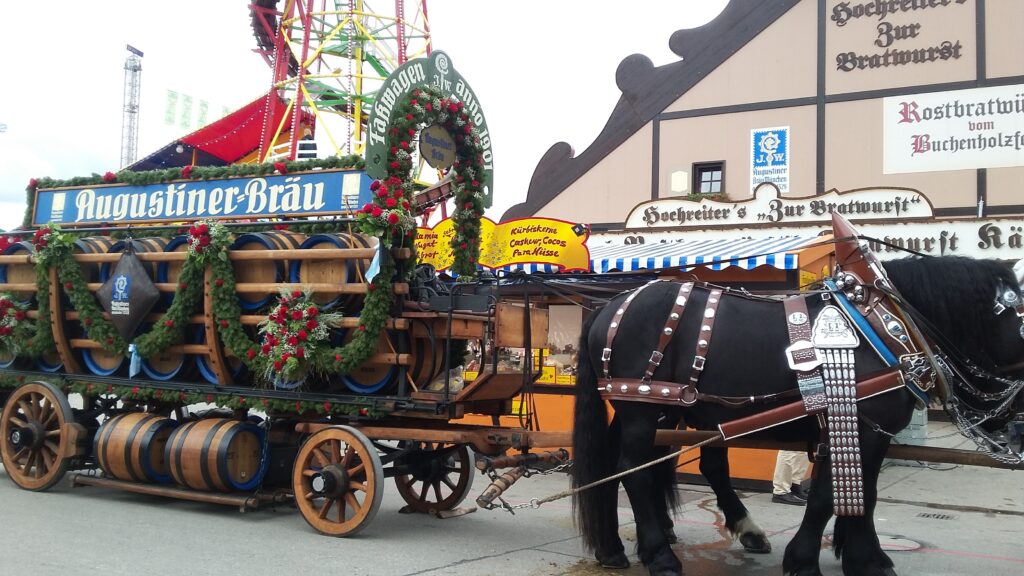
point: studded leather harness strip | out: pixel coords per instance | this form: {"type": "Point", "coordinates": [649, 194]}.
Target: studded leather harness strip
{"type": "Point", "coordinates": [613, 328]}
{"type": "Point", "coordinates": [704, 338]}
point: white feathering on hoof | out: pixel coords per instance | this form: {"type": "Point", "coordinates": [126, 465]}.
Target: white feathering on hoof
{"type": "Point", "coordinates": [747, 525]}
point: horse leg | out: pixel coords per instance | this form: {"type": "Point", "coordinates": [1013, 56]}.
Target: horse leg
{"type": "Point", "coordinates": [802, 552]}
{"type": "Point", "coordinates": [609, 552]}
{"type": "Point", "coordinates": [665, 476]}
{"type": "Point", "coordinates": [714, 465]}
{"type": "Point", "coordinates": [855, 538]}
{"type": "Point", "coordinates": [639, 423]}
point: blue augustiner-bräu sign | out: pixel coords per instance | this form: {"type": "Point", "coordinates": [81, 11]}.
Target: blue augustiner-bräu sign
{"type": "Point", "coordinates": [307, 193]}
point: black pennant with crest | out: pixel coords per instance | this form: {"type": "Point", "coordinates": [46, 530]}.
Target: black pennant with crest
{"type": "Point", "coordinates": [128, 295]}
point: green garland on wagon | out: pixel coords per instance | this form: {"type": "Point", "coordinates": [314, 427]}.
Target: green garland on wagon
{"type": "Point", "coordinates": [389, 216]}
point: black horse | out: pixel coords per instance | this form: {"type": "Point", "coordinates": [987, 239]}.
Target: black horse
{"type": "Point", "coordinates": [957, 297]}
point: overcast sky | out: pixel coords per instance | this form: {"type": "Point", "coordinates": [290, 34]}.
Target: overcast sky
{"type": "Point", "coordinates": [544, 71]}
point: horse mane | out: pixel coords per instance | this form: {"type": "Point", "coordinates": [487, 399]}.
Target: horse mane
{"type": "Point", "coordinates": [957, 295]}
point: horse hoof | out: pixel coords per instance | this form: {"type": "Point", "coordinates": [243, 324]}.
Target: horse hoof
{"type": "Point", "coordinates": [615, 561]}
{"type": "Point", "coordinates": [756, 543]}
{"type": "Point", "coordinates": [810, 571]}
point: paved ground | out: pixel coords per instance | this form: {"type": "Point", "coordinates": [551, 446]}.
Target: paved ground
{"type": "Point", "coordinates": [937, 521]}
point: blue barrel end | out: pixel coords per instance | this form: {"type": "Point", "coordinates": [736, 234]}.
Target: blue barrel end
{"type": "Point", "coordinates": [257, 478]}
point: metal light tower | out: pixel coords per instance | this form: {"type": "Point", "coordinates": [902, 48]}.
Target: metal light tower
{"type": "Point", "coordinates": [130, 121]}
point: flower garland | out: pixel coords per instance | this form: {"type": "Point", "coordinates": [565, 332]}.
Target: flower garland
{"type": "Point", "coordinates": [15, 327]}
{"type": "Point", "coordinates": [54, 248]}
{"type": "Point", "coordinates": [389, 215]}
{"type": "Point", "coordinates": [292, 332]}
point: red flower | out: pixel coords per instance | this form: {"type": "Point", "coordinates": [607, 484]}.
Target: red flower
{"type": "Point", "coordinates": [204, 241]}
{"type": "Point", "coordinates": [393, 218]}
{"type": "Point", "coordinates": [303, 335]}
{"type": "Point", "coordinates": [297, 294]}
{"type": "Point", "coordinates": [476, 183]}
{"type": "Point", "coordinates": [453, 108]}
{"type": "Point", "coordinates": [377, 211]}
{"type": "Point", "coordinates": [19, 315]}
{"type": "Point", "coordinates": [337, 357]}
{"type": "Point", "coordinates": [312, 311]}
{"type": "Point", "coordinates": [250, 354]}
{"type": "Point", "coordinates": [412, 131]}
{"type": "Point", "coordinates": [135, 390]}
{"type": "Point", "coordinates": [218, 282]}
{"type": "Point", "coordinates": [298, 406]}
{"type": "Point", "coordinates": [364, 412]}
{"type": "Point", "coordinates": [327, 406]}
{"type": "Point", "coordinates": [186, 172]}
{"type": "Point", "coordinates": [183, 285]}
{"type": "Point", "coordinates": [382, 193]}
{"type": "Point", "coordinates": [395, 165]}
{"type": "Point", "coordinates": [223, 323]}
{"type": "Point", "coordinates": [429, 107]}
{"type": "Point", "coordinates": [277, 366]}
{"type": "Point", "coordinates": [109, 177]}
{"type": "Point", "coordinates": [266, 348]}
{"type": "Point", "coordinates": [88, 321]}
{"type": "Point", "coordinates": [285, 356]}
{"type": "Point", "coordinates": [110, 341]}
{"type": "Point", "coordinates": [405, 204]}
{"type": "Point", "coordinates": [297, 315]}
{"type": "Point", "coordinates": [300, 353]}
{"type": "Point", "coordinates": [312, 324]}
{"type": "Point", "coordinates": [390, 202]}
{"type": "Point", "coordinates": [408, 116]}
{"type": "Point", "coordinates": [375, 184]}
{"type": "Point", "coordinates": [280, 226]}
{"type": "Point", "coordinates": [33, 183]}
{"type": "Point", "coordinates": [68, 286]}
{"type": "Point", "coordinates": [293, 341]}
{"type": "Point", "coordinates": [280, 168]}
{"type": "Point", "coordinates": [468, 128]}
{"type": "Point", "coordinates": [209, 398]}
{"type": "Point", "coordinates": [362, 328]}
{"type": "Point", "coordinates": [404, 145]}
{"type": "Point", "coordinates": [169, 323]}
{"type": "Point", "coordinates": [372, 287]}
{"type": "Point", "coordinates": [463, 246]}
{"type": "Point", "coordinates": [394, 150]}
{"type": "Point", "coordinates": [241, 400]}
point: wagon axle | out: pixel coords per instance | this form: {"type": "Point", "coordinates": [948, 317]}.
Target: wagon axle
{"type": "Point", "coordinates": [29, 436]}
{"type": "Point", "coordinates": [331, 482]}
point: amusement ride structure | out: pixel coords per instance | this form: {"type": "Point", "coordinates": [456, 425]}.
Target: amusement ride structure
{"type": "Point", "coordinates": [328, 60]}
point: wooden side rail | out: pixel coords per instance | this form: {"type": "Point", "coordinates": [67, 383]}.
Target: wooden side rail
{"type": "Point", "coordinates": [247, 319]}
{"type": "Point", "coordinates": [239, 255]}
{"type": "Point", "coordinates": [245, 288]}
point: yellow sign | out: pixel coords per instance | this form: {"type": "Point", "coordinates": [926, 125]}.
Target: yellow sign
{"type": "Point", "coordinates": [525, 241]}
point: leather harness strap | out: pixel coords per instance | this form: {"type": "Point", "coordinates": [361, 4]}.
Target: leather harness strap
{"type": "Point", "coordinates": [802, 356]}
{"type": "Point", "coordinates": [670, 328]}
{"type": "Point", "coordinates": [613, 327]}
{"type": "Point", "coordinates": [704, 336]}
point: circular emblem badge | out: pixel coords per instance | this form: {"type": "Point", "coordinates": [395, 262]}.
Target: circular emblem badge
{"type": "Point", "coordinates": [797, 318]}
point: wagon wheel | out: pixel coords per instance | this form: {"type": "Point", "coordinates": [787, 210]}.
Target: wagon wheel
{"type": "Point", "coordinates": [337, 481]}
{"type": "Point", "coordinates": [435, 477]}
{"type": "Point", "coordinates": [32, 436]}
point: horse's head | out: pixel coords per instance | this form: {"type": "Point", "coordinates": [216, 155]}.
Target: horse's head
{"type": "Point", "coordinates": [977, 312]}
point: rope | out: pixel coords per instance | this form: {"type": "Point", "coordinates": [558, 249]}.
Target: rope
{"type": "Point", "coordinates": [573, 491]}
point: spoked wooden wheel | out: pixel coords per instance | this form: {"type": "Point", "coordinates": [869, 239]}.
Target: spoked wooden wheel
{"type": "Point", "coordinates": [33, 441]}
{"type": "Point", "coordinates": [435, 477]}
{"type": "Point", "coordinates": [338, 481]}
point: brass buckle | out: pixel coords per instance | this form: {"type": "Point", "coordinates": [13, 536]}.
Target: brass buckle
{"type": "Point", "coordinates": [806, 365]}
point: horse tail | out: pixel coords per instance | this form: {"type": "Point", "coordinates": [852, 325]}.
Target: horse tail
{"type": "Point", "coordinates": [595, 453]}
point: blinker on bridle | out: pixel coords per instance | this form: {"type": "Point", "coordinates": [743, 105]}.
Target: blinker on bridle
{"type": "Point", "coordinates": [1009, 300]}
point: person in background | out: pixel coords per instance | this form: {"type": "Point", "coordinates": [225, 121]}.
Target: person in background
{"type": "Point", "coordinates": [790, 470]}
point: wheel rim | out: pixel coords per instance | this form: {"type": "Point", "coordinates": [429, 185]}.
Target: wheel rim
{"type": "Point", "coordinates": [32, 439]}
{"type": "Point", "coordinates": [337, 481]}
{"type": "Point", "coordinates": [439, 477]}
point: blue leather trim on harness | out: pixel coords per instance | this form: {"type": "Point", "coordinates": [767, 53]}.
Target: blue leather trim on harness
{"type": "Point", "coordinates": [870, 335]}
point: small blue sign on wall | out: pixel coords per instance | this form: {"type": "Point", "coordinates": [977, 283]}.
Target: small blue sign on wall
{"type": "Point", "coordinates": [770, 157]}
{"type": "Point", "coordinates": [298, 194]}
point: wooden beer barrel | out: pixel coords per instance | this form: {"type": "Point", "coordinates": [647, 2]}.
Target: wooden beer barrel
{"type": "Point", "coordinates": [217, 454]}
{"type": "Point", "coordinates": [171, 271]}
{"type": "Point", "coordinates": [99, 361]}
{"type": "Point", "coordinates": [92, 245]}
{"type": "Point", "coordinates": [427, 361]}
{"type": "Point", "coordinates": [334, 271]}
{"type": "Point", "coordinates": [169, 365]}
{"type": "Point", "coordinates": [263, 271]}
{"type": "Point", "coordinates": [140, 245]}
{"type": "Point", "coordinates": [234, 364]}
{"type": "Point", "coordinates": [371, 378]}
{"type": "Point", "coordinates": [131, 447]}
{"type": "Point", "coordinates": [19, 273]}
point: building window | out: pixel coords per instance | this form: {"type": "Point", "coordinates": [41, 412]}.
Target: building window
{"type": "Point", "coordinates": [709, 178]}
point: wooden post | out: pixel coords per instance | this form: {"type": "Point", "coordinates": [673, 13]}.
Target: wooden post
{"type": "Point", "coordinates": [56, 320]}
{"type": "Point", "coordinates": [215, 354]}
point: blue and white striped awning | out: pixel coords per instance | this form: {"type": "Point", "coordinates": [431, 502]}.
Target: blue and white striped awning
{"type": "Point", "coordinates": [715, 254]}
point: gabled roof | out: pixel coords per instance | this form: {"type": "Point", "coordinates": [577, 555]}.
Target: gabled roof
{"type": "Point", "coordinates": [647, 91]}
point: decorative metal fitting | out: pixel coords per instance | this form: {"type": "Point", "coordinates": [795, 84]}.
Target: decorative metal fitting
{"type": "Point", "coordinates": [668, 331]}
{"type": "Point", "coordinates": [665, 392]}
{"type": "Point", "coordinates": [674, 316]}
{"type": "Point", "coordinates": [624, 388]}
{"type": "Point", "coordinates": [644, 389]}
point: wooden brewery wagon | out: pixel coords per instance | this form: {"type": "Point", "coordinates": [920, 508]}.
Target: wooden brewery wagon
{"type": "Point", "coordinates": [195, 425]}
